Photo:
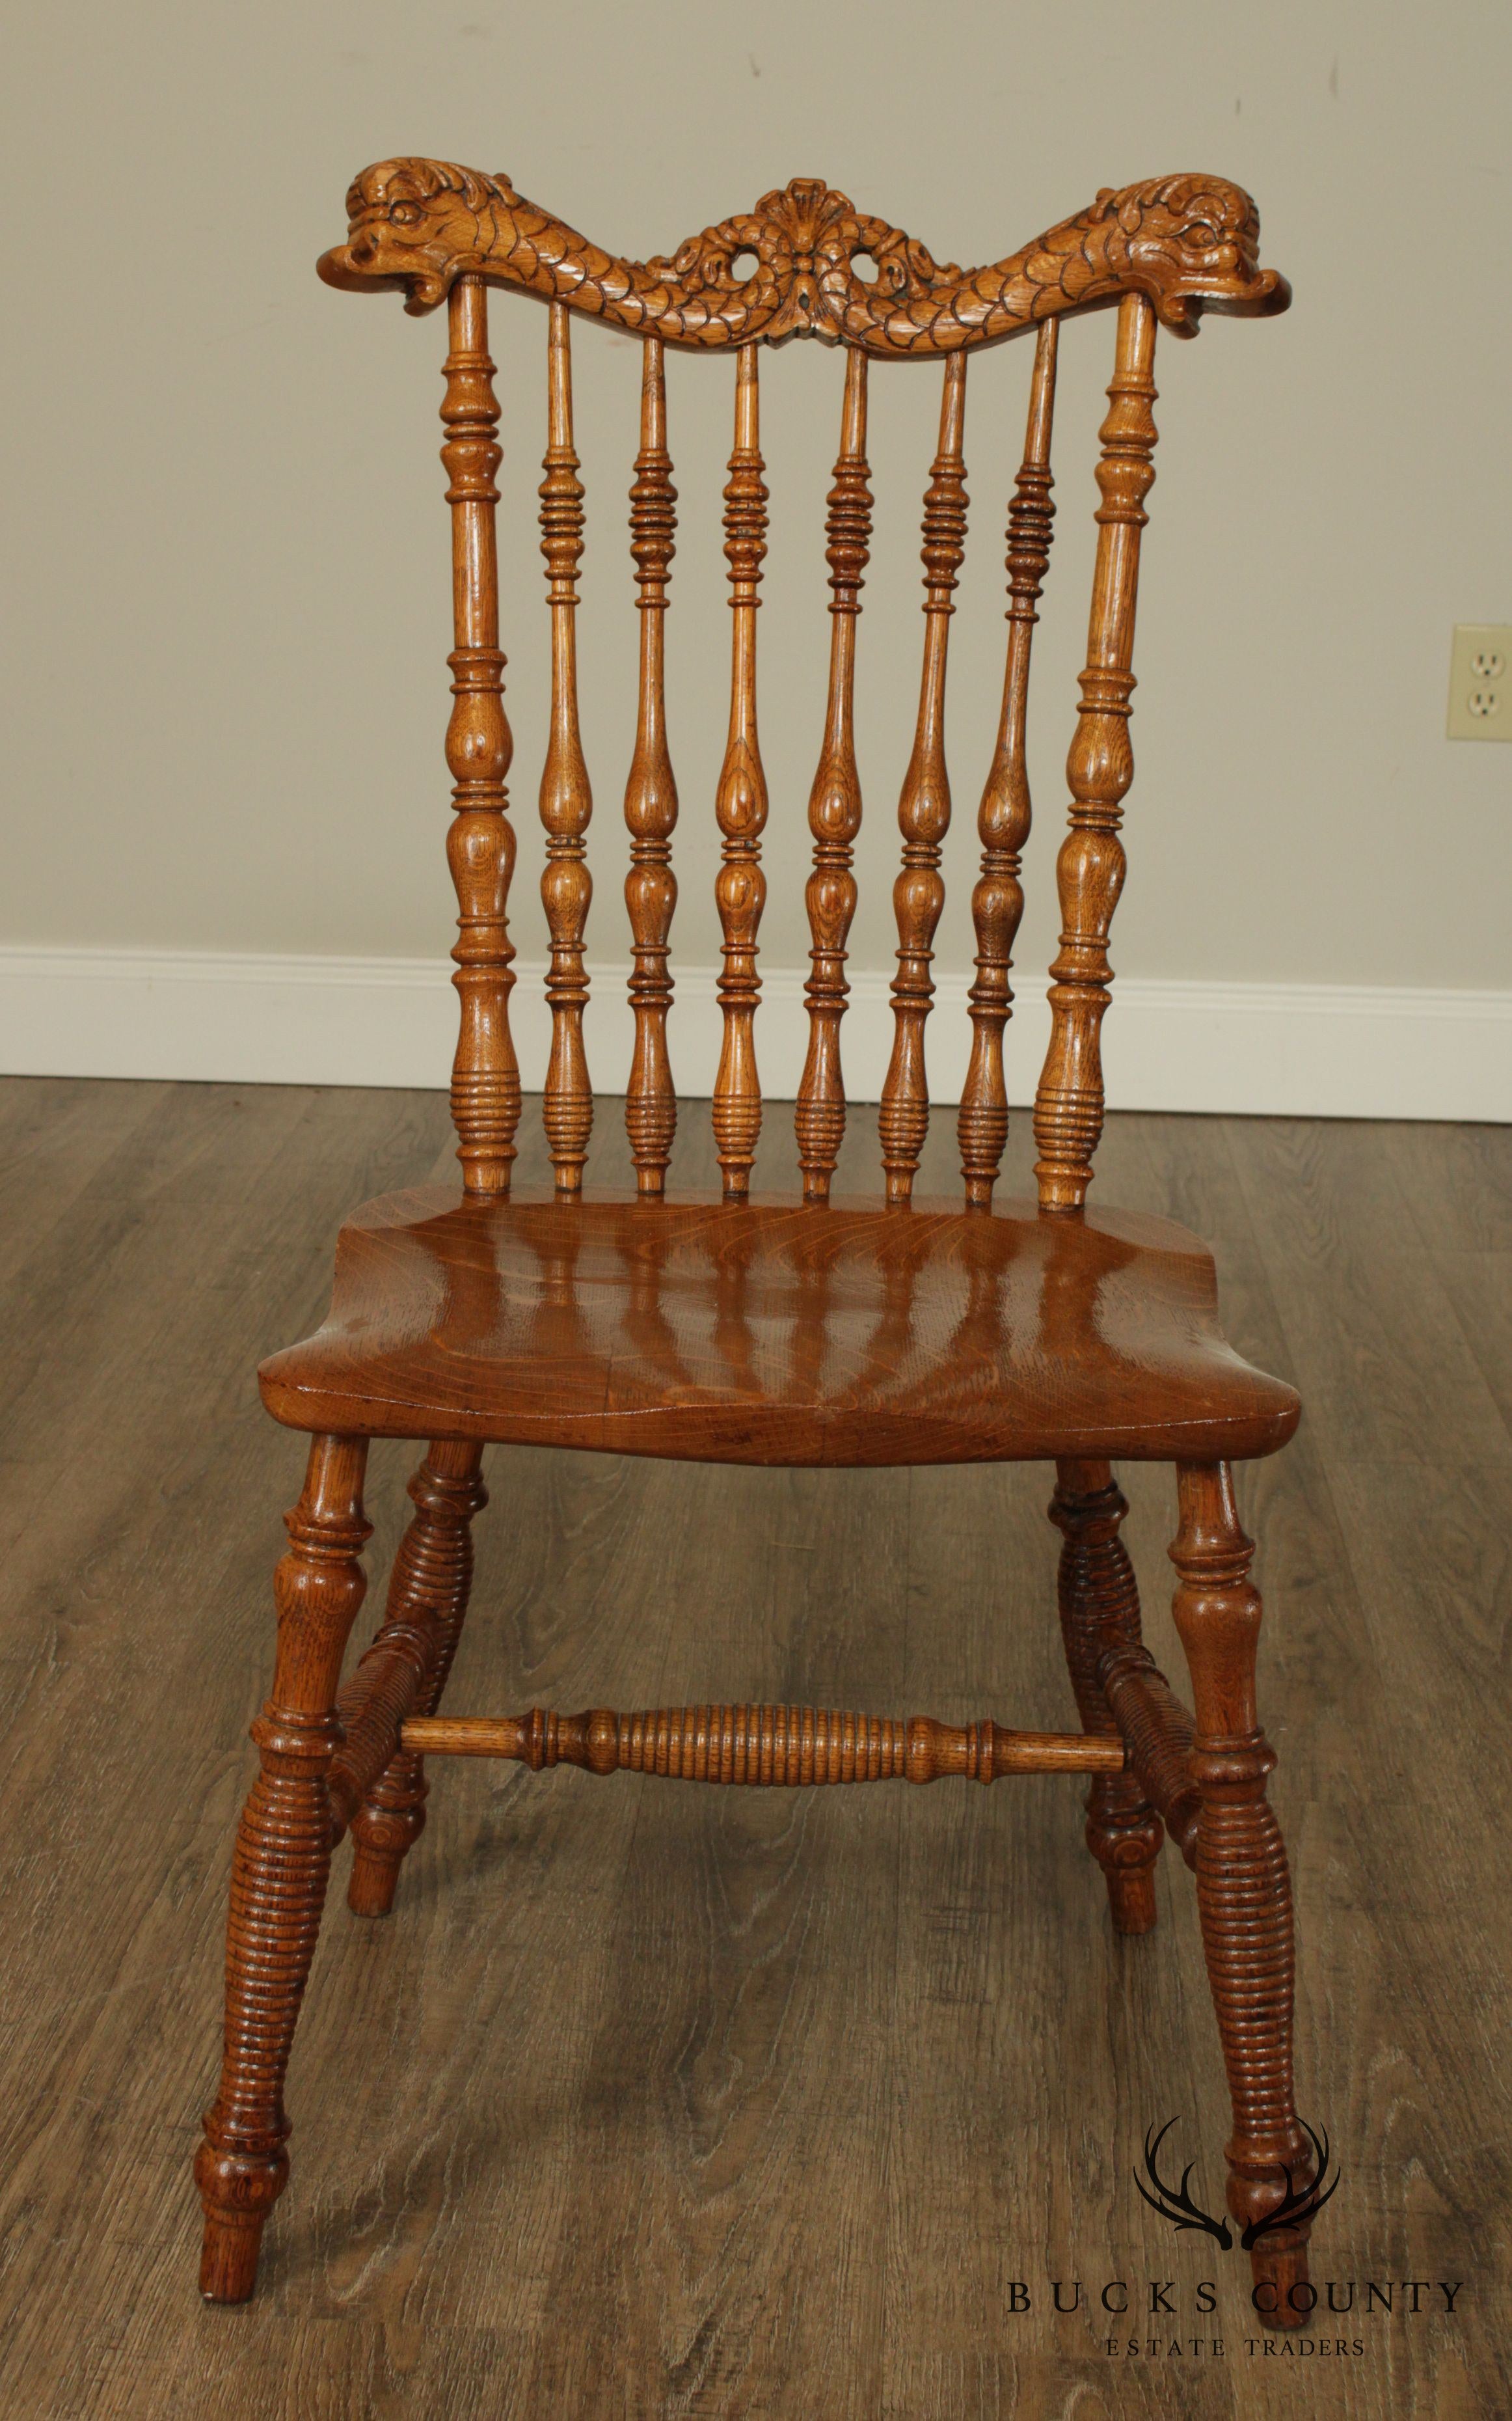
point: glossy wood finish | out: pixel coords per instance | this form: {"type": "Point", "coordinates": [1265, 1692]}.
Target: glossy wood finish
{"type": "Point", "coordinates": [480, 847]}
{"type": "Point", "coordinates": [924, 807]}
{"type": "Point", "coordinates": [1189, 242]}
{"type": "Point", "coordinates": [835, 804]}
{"type": "Point", "coordinates": [1089, 872]}
{"type": "Point", "coordinates": [740, 801]}
{"type": "Point", "coordinates": [762, 1333]}
{"type": "Point", "coordinates": [278, 1878]}
{"type": "Point", "coordinates": [651, 795]}
{"type": "Point", "coordinates": [1243, 1887]}
{"type": "Point", "coordinates": [565, 799]}
{"type": "Point", "coordinates": [382, 1792]}
{"type": "Point", "coordinates": [1004, 817]}
{"type": "Point", "coordinates": [747, 1330]}
{"type": "Point", "coordinates": [1165, 250]}
{"type": "Point", "coordinates": [764, 1747]}
{"type": "Point", "coordinates": [1099, 1617]}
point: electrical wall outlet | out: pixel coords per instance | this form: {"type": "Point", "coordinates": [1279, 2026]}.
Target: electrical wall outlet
{"type": "Point", "coordinates": [1480, 682]}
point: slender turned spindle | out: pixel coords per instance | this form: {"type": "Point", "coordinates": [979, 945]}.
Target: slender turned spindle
{"type": "Point", "coordinates": [791, 1746]}
{"type": "Point", "coordinates": [566, 800]}
{"type": "Point", "coordinates": [924, 806]}
{"type": "Point", "coordinates": [1089, 872]}
{"type": "Point", "coordinates": [651, 795]}
{"type": "Point", "coordinates": [480, 847]}
{"type": "Point", "coordinates": [835, 803]}
{"type": "Point", "coordinates": [740, 887]}
{"type": "Point", "coordinates": [1003, 818]}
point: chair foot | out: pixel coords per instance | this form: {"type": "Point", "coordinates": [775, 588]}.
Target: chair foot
{"type": "Point", "coordinates": [384, 1836]}
{"type": "Point", "coordinates": [1131, 1897]}
{"type": "Point", "coordinates": [232, 2243]}
{"type": "Point", "coordinates": [1279, 2269]}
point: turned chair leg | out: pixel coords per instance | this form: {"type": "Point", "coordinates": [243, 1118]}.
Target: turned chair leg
{"type": "Point", "coordinates": [1099, 1611]}
{"type": "Point", "coordinates": [1243, 1889]}
{"type": "Point", "coordinates": [427, 1596]}
{"type": "Point", "coordinates": [282, 1860]}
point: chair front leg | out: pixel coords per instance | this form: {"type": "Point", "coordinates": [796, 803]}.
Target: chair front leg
{"type": "Point", "coordinates": [1099, 1610]}
{"type": "Point", "coordinates": [1243, 1888]}
{"type": "Point", "coordinates": [429, 1589]}
{"type": "Point", "coordinates": [282, 1860]}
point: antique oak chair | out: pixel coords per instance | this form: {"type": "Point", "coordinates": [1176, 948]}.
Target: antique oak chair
{"type": "Point", "coordinates": [778, 1332]}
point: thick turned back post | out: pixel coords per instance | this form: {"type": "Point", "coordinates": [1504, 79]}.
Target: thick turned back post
{"type": "Point", "coordinates": [480, 849]}
{"type": "Point", "coordinates": [1089, 872]}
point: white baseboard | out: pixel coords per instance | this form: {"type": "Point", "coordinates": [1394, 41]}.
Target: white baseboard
{"type": "Point", "coordinates": [1299, 1050]}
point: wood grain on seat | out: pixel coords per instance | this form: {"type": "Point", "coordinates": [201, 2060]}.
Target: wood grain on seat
{"type": "Point", "coordinates": [765, 1332]}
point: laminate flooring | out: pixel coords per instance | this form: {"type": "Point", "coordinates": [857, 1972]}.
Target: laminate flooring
{"type": "Point", "coordinates": [662, 2101]}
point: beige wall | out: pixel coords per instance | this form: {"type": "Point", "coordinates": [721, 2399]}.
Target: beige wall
{"type": "Point", "coordinates": [226, 664]}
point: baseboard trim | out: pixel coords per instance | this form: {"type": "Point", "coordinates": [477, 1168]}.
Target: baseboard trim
{"type": "Point", "coordinates": [1281, 1049]}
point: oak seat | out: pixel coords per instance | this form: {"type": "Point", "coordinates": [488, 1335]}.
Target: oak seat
{"type": "Point", "coordinates": [758, 1332]}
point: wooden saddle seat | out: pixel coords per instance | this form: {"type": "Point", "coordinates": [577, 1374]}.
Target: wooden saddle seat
{"type": "Point", "coordinates": [760, 1332]}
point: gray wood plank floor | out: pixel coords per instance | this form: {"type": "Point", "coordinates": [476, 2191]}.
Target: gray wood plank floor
{"type": "Point", "coordinates": [672, 2101]}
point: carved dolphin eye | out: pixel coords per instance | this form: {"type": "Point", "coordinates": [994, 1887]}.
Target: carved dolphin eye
{"type": "Point", "coordinates": [1199, 237]}
{"type": "Point", "coordinates": [406, 213]}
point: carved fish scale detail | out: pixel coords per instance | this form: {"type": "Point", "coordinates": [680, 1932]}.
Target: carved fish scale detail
{"type": "Point", "coordinates": [1188, 242]}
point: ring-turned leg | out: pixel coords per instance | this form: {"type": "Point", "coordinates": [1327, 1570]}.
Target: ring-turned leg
{"type": "Point", "coordinates": [1099, 1610]}
{"type": "Point", "coordinates": [278, 1874]}
{"type": "Point", "coordinates": [427, 1598]}
{"type": "Point", "coordinates": [1243, 1889]}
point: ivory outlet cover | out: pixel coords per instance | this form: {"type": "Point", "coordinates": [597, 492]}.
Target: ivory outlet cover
{"type": "Point", "coordinates": [1480, 682]}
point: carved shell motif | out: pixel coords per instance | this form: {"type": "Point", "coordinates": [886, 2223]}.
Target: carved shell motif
{"type": "Point", "coordinates": [1190, 243]}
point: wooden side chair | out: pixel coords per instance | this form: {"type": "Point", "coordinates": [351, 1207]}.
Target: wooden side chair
{"type": "Point", "coordinates": [859, 1332]}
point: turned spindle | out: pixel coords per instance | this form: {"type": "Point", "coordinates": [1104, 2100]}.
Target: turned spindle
{"type": "Point", "coordinates": [1004, 816]}
{"type": "Point", "coordinates": [835, 803]}
{"type": "Point", "coordinates": [924, 806]}
{"type": "Point", "coordinates": [566, 800]}
{"type": "Point", "coordinates": [1089, 872]}
{"type": "Point", "coordinates": [480, 846]}
{"type": "Point", "coordinates": [740, 801]}
{"type": "Point", "coordinates": [651, 795]}
{"type": "Point", "coordinates": [764, 1746]}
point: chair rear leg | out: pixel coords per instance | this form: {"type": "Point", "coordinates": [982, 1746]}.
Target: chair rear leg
{"type": "Point", "coordinates": [1099, 1610]}
{"type": "Point", "coordinates": [281, 1861]}
{"type": "Point", "coordinates": [1243, 1887]}
{"type": "Point", "coordinates": [427, 1596]}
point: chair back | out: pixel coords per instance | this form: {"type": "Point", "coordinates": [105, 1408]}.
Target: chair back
{"type": "Point", "coordinates": [804, 264]}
